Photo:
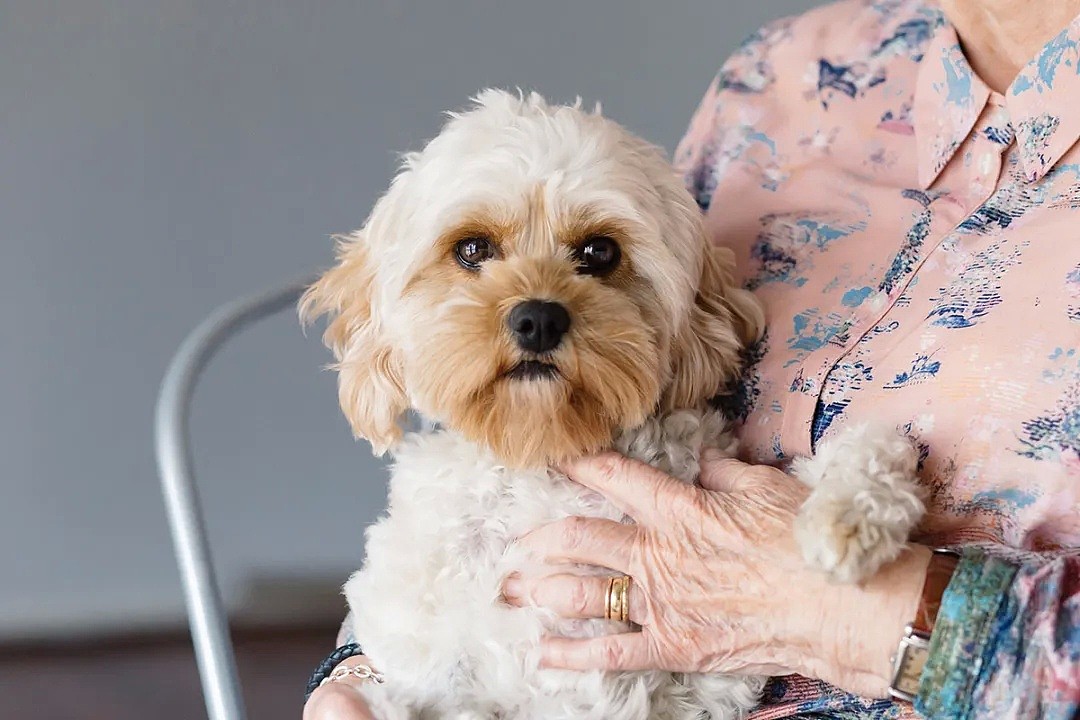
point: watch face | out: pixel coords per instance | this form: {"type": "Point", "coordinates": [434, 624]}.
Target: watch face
{"type": "Point", "coordinates": [911, 667]}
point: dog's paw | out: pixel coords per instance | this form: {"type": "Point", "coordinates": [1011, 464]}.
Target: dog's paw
{"type": "Point", "coordinates": [845, 541]}
{"type": "Point", "coordinates": [864, 505]}
{"type": "Point", "coordinates": [849, 535]}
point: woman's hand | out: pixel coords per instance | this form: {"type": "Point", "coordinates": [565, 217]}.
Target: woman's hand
{"type": "Point", "coordinates": [341, 699]}
{"type": "Point", "coordinates": [719, 584]}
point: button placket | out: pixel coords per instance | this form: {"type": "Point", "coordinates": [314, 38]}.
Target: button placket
{"type": "Point", "coordinates": [977, 168]}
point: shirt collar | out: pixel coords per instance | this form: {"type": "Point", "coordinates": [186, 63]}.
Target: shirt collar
{"type": "Point", "coordinates": [1042, 102]}
{"type": "Point", "coordinates": [949, 97]}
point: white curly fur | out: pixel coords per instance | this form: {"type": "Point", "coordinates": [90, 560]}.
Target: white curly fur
{"type": "Point", "coordinates": [864, 503]}
{"type": "Point", "coordinates": [426, 605]}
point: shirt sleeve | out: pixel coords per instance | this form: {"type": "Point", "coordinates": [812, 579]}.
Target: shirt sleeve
{"type": "Point", "coordinates": [1006, 644]}
{"type": "Point", "coordinates": [732, 107]}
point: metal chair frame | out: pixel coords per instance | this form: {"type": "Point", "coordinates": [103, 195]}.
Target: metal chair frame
{"type": "Point", "coordinates": [207, 616]}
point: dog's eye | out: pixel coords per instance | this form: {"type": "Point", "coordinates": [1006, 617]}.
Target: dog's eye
{"type": "Point", "coordinates": [472, 251]}
{"type": "Point", "coordinates": [598, 255]}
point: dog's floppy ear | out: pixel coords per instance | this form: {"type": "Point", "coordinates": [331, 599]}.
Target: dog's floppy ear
{"type": "Point", "coordinates": [370, 387]}
{"type": "Point", "coordinates": [708, 352]}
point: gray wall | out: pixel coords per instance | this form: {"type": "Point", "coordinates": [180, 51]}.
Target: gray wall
{"type": "Point", "coordinates": [159, 157]}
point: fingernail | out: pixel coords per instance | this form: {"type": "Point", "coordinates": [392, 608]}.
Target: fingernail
{"type": "Point", "coordinates": [513, 588]}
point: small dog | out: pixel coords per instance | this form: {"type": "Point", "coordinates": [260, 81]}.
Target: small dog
{"type": "Point", "coordinates": [537, 281]}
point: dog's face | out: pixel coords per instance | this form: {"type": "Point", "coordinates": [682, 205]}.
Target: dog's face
{"type": "Point", "coordinates": [536, 279]}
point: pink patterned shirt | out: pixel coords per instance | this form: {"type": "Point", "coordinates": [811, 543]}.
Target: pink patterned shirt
{"type": "Point", "coordinates": [915, 238]}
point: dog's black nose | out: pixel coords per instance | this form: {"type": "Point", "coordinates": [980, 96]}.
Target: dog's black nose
{"type": "Point", "coordinates": [538, 325]}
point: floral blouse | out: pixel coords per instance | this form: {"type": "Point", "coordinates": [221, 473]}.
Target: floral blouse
{"type": "Point", "coordinates": [915, 238]}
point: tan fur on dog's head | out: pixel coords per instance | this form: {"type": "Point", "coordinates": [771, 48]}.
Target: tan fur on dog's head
{"type": "Point", "coordinates": [412, 327]}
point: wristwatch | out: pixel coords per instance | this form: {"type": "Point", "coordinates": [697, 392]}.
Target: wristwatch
{"type": "Point", "coordinates": [914, 647]}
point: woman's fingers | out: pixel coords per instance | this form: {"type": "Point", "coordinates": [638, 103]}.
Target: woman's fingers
{"type": "Point", "coordinates": [720, 473]}
{"type": "Point", "coordinates": [639, 490]}
{"type": "Point", "coordinates": [590, 541]}
{"type": "Point", "coordinates": [626, 651]}
{"type": "Point", "coordinates": [572, 596]}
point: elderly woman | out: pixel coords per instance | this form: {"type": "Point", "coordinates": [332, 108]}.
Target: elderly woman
{"type": "Point", "coordinates": [901, 183]}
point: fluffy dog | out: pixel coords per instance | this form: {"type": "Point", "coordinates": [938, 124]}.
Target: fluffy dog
{"type": "Point", "coordinates": [538, 283]}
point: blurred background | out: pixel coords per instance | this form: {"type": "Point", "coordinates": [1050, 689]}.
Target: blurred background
{"type": "Point", "coordinates": [161, 157]}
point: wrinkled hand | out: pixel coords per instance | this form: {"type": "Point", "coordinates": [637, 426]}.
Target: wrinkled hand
{"type": "Point", "coordinates": [719, 584]}
{"type": "Point", "coordinates": [341, 699]}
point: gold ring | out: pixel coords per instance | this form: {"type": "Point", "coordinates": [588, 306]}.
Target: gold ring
{"type": "Point", "coordinates": [617, 598]}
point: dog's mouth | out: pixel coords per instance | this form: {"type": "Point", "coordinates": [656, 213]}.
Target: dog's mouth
{"type": "Point", "coordinates": [533, 370]}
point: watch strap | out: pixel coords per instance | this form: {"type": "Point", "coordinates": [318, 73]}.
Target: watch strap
{"type": "Point", "coordinates": [914, 648]}
{"type": "Point", "coordinates": [938, 574]}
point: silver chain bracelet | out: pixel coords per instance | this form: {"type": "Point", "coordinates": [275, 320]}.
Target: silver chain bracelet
{"type": "Point", "coordinates": [361, 672]}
